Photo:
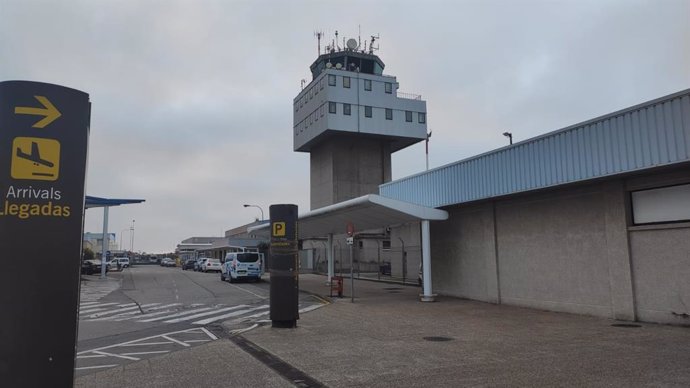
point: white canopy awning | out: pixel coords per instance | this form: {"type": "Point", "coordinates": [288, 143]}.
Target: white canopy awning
{"type": "Point", "coordinates": [366, 212]}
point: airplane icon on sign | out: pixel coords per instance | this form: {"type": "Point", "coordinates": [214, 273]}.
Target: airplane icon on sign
{"type": "Point", "coordinates": [34, 156]}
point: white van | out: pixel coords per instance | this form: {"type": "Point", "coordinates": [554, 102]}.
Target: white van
{"type": "Point", "coordinates": [123, 261]}
{"type": "Point", "coordinates": [242, 265]}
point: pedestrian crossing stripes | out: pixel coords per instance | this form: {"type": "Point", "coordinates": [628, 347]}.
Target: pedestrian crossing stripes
{"type": "Point", "coordinates": [196, 314]}
{"type": "Point", "coordinates": [94, 290]}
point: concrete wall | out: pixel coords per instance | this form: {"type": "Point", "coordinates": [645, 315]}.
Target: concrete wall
{"type": "Point", "coordinates": [569, 249]}
{"type": "Point", "coordinates": [550, 252]}
{"type": "Point", "coordinates": [660, 256]}
{"type": "Point", "coordinates": [347, 167]}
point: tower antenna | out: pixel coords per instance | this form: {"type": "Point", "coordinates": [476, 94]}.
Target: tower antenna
{"type": "Point", "coordinates": [318, 35]}
{"type": "Point", "coordinates": [371, 45]}
{"type": "Point", "coordinates": [336, 40]}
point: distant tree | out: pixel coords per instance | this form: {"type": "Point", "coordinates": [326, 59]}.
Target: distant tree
{"type": "Point", "coordinates": [88, 254]}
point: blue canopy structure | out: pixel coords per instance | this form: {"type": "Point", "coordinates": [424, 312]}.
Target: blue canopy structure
{"type": "Point", "coordinates": [106, 203]}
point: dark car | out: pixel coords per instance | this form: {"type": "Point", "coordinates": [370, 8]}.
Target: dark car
{"type": "Point", "coordinates": [90, 267]}
{"type": "Point", "coordinates": [189, 264]}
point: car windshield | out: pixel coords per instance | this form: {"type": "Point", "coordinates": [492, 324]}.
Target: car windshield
{"type": "Point", "coordinates": [248, 257]}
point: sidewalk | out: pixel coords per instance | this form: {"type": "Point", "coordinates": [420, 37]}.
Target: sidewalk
{"type": "Point", "coordinates": [388, 338]}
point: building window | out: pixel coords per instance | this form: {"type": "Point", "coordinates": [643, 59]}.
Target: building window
{"type": "Point", "coordinates": [367, 84]}
{"type": "Point", "coordinates": [367, 111]}
{"type": "Point", "coordinates": [360, 244]}
{"type": "Point", "coordinates": [389, 114]}
{"type": "Point", "coordinates": [386, 245]}
{"type": "Point", "coordinates": [408, 116]}
{"type": "Point", "coordinates": [347, 109]}
{"type": "Point", "coordinates": [331, 80]}
{"type": "Point", "coordinates": [322, 80]}
{"type": "Point", "coordinates": [346, 82]}
{"type": "Point", "coordinates": [389, 87]}
{"type": "Point", "coordinates": [323, 108]}
{"type": "Point", "coordinates": [422, 117]}
{"type": "Point", "coordinates": [661, 205]}
{"type": "Point", "coordinates": [331, 107]}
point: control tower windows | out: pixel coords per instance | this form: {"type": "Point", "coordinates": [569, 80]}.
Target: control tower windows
{"type": "Point", "coordinates": [367, 84]}
{"type": "Point", "coordinates": [389, 114]}
{"type": "Point", "coordinates": [347, 109]}
{"type": "Point", "coordinates": [331, 80]}
{"type": "Point", "coordinates": [422, 117]}
{"type": "Point", "coordinates": [346, 82]}
{"type": "Point", "coordinates": [408, 116]}
{"type": "Point", "coordinates": [367, 111]}
{"type": "Point", "coordinates": [389, 87]}
{"type": "Point", "coordinates": [331, 107]}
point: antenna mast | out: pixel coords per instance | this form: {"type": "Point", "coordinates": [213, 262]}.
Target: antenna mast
{"type": "Point", "coordinates": [318, 35]}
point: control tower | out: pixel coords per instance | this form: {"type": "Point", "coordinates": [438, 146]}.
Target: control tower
{"type": "Point", "coordinates": [351, 118]}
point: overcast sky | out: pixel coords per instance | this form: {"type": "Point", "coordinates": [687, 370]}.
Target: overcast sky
{"type": "Point", "coordinates": [192, 100]}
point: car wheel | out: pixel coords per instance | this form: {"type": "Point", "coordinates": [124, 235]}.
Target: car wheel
{"type": "Point", "coordinates": [222, 277]}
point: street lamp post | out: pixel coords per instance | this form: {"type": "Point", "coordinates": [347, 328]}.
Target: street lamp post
{"type": "Point", "coordinates": [131, 238]}
{"type": "Point", "coordinates": [428, 136]}
{"type": "Point", "coordinates": [509, 135]}
{"type": "Point", "coordinates": [257, 206]}
{"type": "Point", "coordinates": [121, 233]}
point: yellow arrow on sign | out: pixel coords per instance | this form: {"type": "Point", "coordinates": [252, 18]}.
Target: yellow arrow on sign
{"type": "Point", "coordinates": [49, 111]}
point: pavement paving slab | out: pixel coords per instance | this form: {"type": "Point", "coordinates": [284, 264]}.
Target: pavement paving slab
{"type": "Point", "coordinates": [387, 338]}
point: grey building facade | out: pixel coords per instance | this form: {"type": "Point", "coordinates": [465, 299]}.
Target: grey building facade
{"type": "Point", "coordinates": [591, 219]}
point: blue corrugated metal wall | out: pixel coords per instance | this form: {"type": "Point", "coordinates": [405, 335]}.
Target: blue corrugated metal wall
{"type": "Point", "coordinates": [649, 135]}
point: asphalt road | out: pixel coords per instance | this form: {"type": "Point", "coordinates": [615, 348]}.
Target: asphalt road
{"type": "Point", "coordinates": [146, 311]}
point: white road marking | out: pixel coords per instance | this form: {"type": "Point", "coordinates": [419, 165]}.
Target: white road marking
{"type": "Point", "coordinates": [148, 344]}
{"type": "Point", "coordinates": [176, 341]}
{"type": "Point", "coordinates": [178, 314]}
{"type": "Point", "coordinates": [236, 313]}
{"type": "Point", "coordinates": [96, 367]}
{"type": "Point", "coordinates": [132, 314]}
{"type": "Point", "coordinates": [135, 307]}
{"type": "Point", "coordinates": [136, 310]}
{"type": "Point", "coordinates": [206, 313]}
{"type": "Point", "coordinates": [92, 356]}
{"type": "Point", "coordinates": [115, 355]}
{"type": "Point", "coordinates": [249, 317]}
{"type": "Point", "coordinates": [245, 290]}
{"type": "Point", "coordinates": [193, 341]}
{"type": "Point", "coordinates": [143, 353]}
{"type": "Point", "coordinates": [213, 337]}
{"type": "Point", "coordinates": [311, 308]}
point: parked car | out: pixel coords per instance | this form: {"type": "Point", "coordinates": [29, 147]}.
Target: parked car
{"type": "Point", "coordinates": [90, 267]}
{"type": "Point", "coordinates": [211, 265]}
{"type": "Point", "coordinates": [124, 262]}
{"type": "Point", "coordinates": [188, 264]}
{"type": "Point", "coordinates": [243, 265]}
{"type": "Point", "coordinates": [199, 262]}
{"type": "Point", "coordinates": [168, 262]}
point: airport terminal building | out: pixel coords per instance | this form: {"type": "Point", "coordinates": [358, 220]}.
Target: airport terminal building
{"type": "Point", "coordinates": [591, 219]}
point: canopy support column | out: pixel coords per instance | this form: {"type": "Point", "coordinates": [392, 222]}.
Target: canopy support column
{"type": "Point", "coordinates": [426, 296]}
{"type": "Point", "coordinates": [106, 243]}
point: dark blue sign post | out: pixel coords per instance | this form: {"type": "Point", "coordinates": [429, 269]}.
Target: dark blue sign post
{"type": "Point", "coordinates": [284, 266]}
{"type": "Point", "coordinates": [43, 146]}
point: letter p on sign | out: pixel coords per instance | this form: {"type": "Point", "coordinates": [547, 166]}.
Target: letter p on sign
{"type": "Point", "coordinates": [278, 229]}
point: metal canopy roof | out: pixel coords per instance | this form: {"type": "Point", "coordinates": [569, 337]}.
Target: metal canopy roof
{"type": "Point", "coordinates": [367, 212]}
{"type": "Point", "coordinates": [92, 202]}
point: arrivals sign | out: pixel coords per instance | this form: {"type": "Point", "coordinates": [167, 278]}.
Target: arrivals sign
{"type": "Point", "coordinates": [43, 146]}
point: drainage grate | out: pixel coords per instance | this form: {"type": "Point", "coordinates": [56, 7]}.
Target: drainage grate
{"type": "Point", "coordinates": [437, 339]}
{"type": "Point", "coordinates": [625, 325]}
{"type": "Point", "coordinates": [392, 288]}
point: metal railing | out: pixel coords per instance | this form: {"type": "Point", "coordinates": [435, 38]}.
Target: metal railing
{"type": "Point", "coordinates": [409, 96]}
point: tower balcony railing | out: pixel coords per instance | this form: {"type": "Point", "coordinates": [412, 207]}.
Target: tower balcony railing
{"type": "Point", "coordinates": [409, 96]}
